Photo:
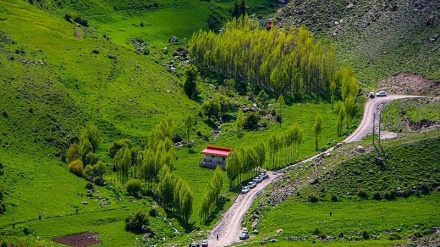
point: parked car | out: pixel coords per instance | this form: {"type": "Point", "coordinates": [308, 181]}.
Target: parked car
{"type": "Point", "coordinates": [194, 245]}
{"type": "Point", "coordinates": [245, 230]}
{"type": "Point", "coordinates": [204, 243]}
{"type": "Point", "coordinates": [381, 94]}
{"type": "Point", "coordinates": [244, 236]}
{"type": "Point", "coordinates": [252, 184]}
{"type": "Point", "coordinates": [372, 95]}
{"type": "Point", "coordinates": [245, 190]}
{"type": "Point", "coordinates": [257, 179]}
{"type": "Point", "coordinates": [263, 175]}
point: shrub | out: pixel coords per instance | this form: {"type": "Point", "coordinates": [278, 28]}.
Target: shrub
{"type": "Point", "coordinates": [88, 172]}
{"type": "Point", "coordinates": [99, 169]}
{"type": "Point", "coordinates": [152, 212]}
{"type": "Point", "coordinates": [390, 195]}
{"type": "Point", "coordinates": [377, 196]}
{"type": "Point", "coordinates": [134, 186]}
{"type": "Point", "coordinates": [73, 153]}
{"type": "Point", "coordinates": [251, 121]}
{"type": "Point", "coordinates": [365, 235]}
{"type": "Point", "coordinates": [118, 145]}
{"type": "Point", "coordinates": [4, 244]}
{"type": "Point", "coordinates": [91, 158]}
{"type": "Point", "coordinates": [81, 21]}
{"type": "Point", "coordinates": [334, 198]}
{"type": "Point", "coordinates": [362, 194]}
{"type": "Point", "coordinates": [137, 222]}
{"type": "Point", "coordinates": [76, 167]}
{"type": "Point", "coordinates": [176, 138]}
{"type": "Point", "coordinates": [394, 236]}
{"type": "Point", "coordinates": [27, 230]}
{"type": "Point", "coordinates": [68, 17]}
{"type": "Point", "coordinates": [98, 181]}
{"type": "Point", "coordinates": [89, 186]}
{"type": "Point", "coordinates": [2, 207]}
{"type": "Point", "coordinates": [312, 198]}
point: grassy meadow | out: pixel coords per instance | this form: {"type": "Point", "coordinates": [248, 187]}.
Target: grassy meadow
{"type": "Point", "coordinates": [56, 76]}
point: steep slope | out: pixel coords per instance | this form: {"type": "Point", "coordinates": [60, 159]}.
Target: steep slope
{"type": "Point", "coordinates": [379, 38]}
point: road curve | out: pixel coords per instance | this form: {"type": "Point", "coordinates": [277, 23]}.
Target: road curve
{"type": "Point", "coordinates": [228, 228]}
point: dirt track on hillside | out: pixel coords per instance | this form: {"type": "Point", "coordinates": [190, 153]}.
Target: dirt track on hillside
{"type": "Point", "coordinates": [228, 229]}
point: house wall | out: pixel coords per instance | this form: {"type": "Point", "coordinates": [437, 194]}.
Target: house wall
{"type": "Point", "coordinates": [212, 161]}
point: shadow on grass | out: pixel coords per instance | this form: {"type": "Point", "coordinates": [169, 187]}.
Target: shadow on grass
{"type": "Point", "coordinates": [210, 123]}
{"type": "Point", "coordinates": [220, 206]}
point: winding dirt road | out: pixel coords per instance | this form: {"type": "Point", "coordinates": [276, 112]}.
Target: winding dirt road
{"type": "Point", "coordinates": [228, 228]}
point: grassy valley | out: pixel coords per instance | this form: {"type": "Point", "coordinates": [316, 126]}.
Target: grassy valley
{"type": "Point", "coordinates": [67, 63]}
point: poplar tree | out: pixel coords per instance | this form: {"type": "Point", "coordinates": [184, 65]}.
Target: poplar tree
{"type": "Point", "coordinates": [318, 129]}
{"type": "Point", "coordinates": [239, 121]}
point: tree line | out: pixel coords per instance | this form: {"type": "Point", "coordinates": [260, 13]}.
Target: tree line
{"type": "Point", "coordinates": [287, 61]}
{"type": "Point", "coordinates": [245, 162]}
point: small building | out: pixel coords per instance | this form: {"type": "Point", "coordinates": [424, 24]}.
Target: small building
{"type": "Point", "coordinates": [214, 156]}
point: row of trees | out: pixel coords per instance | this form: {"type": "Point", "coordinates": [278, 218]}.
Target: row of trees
{"type": "Point", "coordinates": [285, 61]}
{"type": "Point", "coordinates": [283, 148]}
{"type": "Point", "coordinates": [212, 193]}
{"type": "Point", "coordinates": [244, 162]}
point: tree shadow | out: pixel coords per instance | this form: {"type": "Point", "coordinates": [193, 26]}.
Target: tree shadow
{"type": "Point", "coordinates": [220, 206]}
{"type": "Point", "coordinates": [210, 123]}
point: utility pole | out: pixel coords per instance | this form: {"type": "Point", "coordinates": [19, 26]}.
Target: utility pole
{"type": "Point", "coordinates": [379, 128]}
{"type": "Point", "coordinates": [374, 120]}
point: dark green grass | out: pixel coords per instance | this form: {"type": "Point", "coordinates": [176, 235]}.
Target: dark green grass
{"type": "Point", "coordinates": [404, 217]}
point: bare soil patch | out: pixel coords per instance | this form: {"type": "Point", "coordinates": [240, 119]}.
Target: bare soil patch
{"type": "Point", "coordinates": [79, 240]}
{"type": "Point", "coordinates": [410, 84]}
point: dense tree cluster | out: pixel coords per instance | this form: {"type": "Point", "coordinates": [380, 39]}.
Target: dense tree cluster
{"type": "Point", "coordinates": [155, 166]}
{"type": "Point", "coordinates": [245, 161]}
{"type": "Point", "coordinates": [284, 61]}
{"type": "Point", "coordinates": [212, 193]}
{"type": "Point", "coordinates": [137, 222]}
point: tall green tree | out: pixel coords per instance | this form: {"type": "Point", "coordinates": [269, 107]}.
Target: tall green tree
{"type": "Point", "coordinates": [123, 163]}
{"type": "Point", "coordinates": [281, 104]}
{"type": "Point", "coordinates": [189, 124]}
{"type": "Point", "coordinates": [190, 84]}
{"type": "Point", "coordinates": [318, 128]}
{"type": "Point", "coordinates": [233, 167]}
{"type": "Point", "coordinates": [91, 133]}
{"type": "Point", "coordinates": [341, 117]}
{"type": "Point", "coordinates": [239, 120]}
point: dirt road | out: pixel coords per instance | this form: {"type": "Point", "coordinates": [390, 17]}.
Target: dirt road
{"type": "Point", "coordinates": [228, 229]}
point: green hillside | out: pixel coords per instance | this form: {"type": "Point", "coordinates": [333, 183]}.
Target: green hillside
{"type": "Point", "coordinates": [67, 63]}
{"type": "Point", "coordinates": [379, 38]}
{"type": "Point", "coordinates": [362, 194]}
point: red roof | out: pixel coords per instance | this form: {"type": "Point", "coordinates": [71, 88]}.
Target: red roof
{"type": "Point", "coordinates": [217, 151]}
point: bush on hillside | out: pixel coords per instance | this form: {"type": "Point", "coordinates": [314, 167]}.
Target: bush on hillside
{"type": "Point", "coordinates": [377, 196]}
{"type": "Point", "coordinates": [91, 158]}
{"type": "Point", "coordinates": [76, 167]}
{"type": "Point", "coordinates": [362, 194]}
{"type": "Point", "coordinates": [334, 198]}
{"type": "Point", "coordinates": [137, 222]}
{"type": "Point", "coordinates": [118, 145]}
{"type": "Point", "coordinates": [251, 121]}
{"type": "Point", "coordinates": [81, 21]}
{"type": "Point", "coordinates": [73, 153]}
{"type": "Point", "coordinates": [134, 187]}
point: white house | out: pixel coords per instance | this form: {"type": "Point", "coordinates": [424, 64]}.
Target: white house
{"type": "Point", "coordinates": [214, 156]}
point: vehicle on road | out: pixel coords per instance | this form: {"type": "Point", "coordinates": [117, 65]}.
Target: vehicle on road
{"type": "Point", "coordinates": [244, 236]}
{"type": "Point", "coordinates": [381, 94]}
{"type": "Point", "coordinates": [204, 243]}
{"type": "Point", "coordinates": [252, 184]}
{"type": "Point", "coordinates": [257, 179]}
{"type": "Point", "coordinates": [372, 95]}
{"type": "Point", "coordinates": [263, 175]}
{"type": "Point", "coordinates": [194, 245]}
{"type": "Point", "coordinates": [245, 190]}
{"type": "Point", "coordinates": [245, 230]}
